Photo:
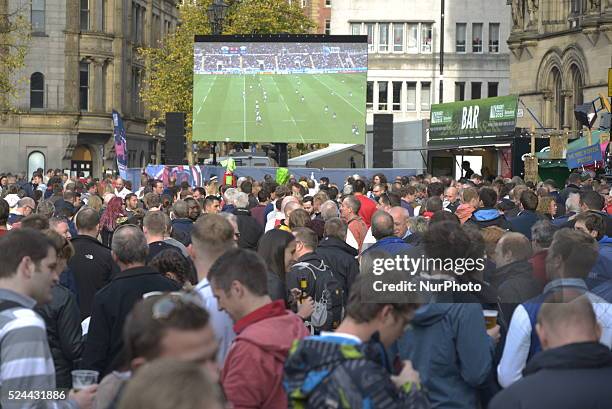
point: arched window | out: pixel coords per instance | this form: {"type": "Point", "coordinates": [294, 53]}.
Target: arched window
{"type": "Point", "coordinates": [37, 90]}
{"type": "Point", "coordinates": [36, 160]}
{"type": "Point", "coordinates": [559, 105]}
{"type": "Point", "coordinates": [577, 90]}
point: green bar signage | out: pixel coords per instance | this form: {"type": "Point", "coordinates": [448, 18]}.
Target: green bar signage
{"type": "Point", "coordinates": [466, 121]}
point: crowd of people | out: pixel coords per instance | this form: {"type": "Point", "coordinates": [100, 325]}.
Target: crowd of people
{"type": "Point", "coordinates": [257, 295]}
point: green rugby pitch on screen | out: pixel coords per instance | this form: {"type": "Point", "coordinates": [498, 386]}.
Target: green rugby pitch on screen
{"type": "Point", "coordinates": [280, 92]}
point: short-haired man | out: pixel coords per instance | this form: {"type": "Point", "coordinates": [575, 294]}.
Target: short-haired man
{"type": "Point", "coordinates": [158, 187]}
{"type": "Point", "coordinates": [400, 222]}
{"type": "Point", "coordinates": [592, 201]}
{"type": "Point", "coordinates": [451, 199]}
{"type": "Point", "coordinates": [572, 208]}
{"type": "Point", "coordinates": [163, 326]}
{"type": "Point", "coordinates": [573, 370]}
{"type": "Point", "coordinates": [593, 224]}
{"type": "Point", "coordinates": [527, 217]}
{"type": "Point", "coordinates": [487, 215]}
{"type": "Point", "coordinates": [354, 372]}
{"type": "Point", "coordinates": [340, 257]}
{"type": "Point", "coordinates": [112, 304]}
{"type": "Point", "coordinates": [156, 226]}
{"type": "Point", "coordinates": [92, 264]}
{"type": "Point", "coordinates": [250, 231]}
{"type": "Point", "coordinates": [25, 207]}
{"type": "Point", "coordinates": [120, 189]}
{"type": "Point", "coordinates": [571, 256]}
{"type": "Point", "coordinates": [383, 229]}
{"type": "Point", "coordinates": [212, 236]}
{"type": "Point", "coordinates": [349, 212]}
{"type": "Point", "coordinates": [367, 206]}
{"type": "Point", "coordinates": [27, 276]}
{"type": "Point", "coordinates": [265, 331]}
{"type": "Point", "coordinates": [131, 204]}
{"type": "Point", "coordinates": [513, 277]}
{"type": "Point", "coordinates": [212, 204]}
{"type": "Point", "coordinates": [542, 233]}
{"type": "Point", "coordinates": [181, 223]}
{"type": "Point", "coordinates": [408, 197]}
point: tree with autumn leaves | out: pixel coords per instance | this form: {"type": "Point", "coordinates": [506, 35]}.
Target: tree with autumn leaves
{"type": "Point", "coordinates": [14, 39]}
{"type": "Point", "coordinates": [168, 85]}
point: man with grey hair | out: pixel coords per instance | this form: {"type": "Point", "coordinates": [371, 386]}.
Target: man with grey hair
{"type": "Point", "coordinates": [45, 208]}
{"type": "Point", "coordinates": [229, 198]}
{"type": "Point", "coordinates": [572, 208]}
{"type": "Point", "coordinates": [340, 257]}
{"type": "Point", "coordinates": [382, 230]}
{"type": "Point", "coordinates": [329, 209]}
{"type": "Point", "coordinates": [112, 304]}
{"type": "Point", "coordinates": [248, 229]}
{"type": "Point", "coordinates": [181, 223]}
{"type": "Point", "coordinates": [541, 237]}
{"type": "Point", "coordinates": [25, 207]}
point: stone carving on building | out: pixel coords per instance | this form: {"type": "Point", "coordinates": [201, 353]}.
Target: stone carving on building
{"type": "Point", "coordinates": [518, 13]}
{"type": "Point", "coordinates": [594, 5]}
{"type": "Point", "coordinates": [532, 8]}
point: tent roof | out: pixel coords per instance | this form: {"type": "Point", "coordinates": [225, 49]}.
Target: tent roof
{"type": "Point", "coordinates": [332, 149]}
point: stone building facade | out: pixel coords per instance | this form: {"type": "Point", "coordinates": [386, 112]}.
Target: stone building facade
{"type": "Point", "coordinates": [560, 54]}
{"type": "Point", "coordinates": [404, 51]}
{"type": "Point", "coordinates": [81, 64]}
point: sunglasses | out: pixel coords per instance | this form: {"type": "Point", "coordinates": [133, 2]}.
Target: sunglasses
{"type": "Point", "coordinates": [168, 303]}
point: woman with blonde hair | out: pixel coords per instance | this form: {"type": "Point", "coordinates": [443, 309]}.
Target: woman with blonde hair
{"type": "Point", "coordinates": [547, 206]}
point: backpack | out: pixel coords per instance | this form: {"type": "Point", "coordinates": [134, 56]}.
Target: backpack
{"type": "Point", "coordinates": [328, 295]}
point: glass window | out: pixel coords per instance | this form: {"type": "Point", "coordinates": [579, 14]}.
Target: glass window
{"type": "Point", "coordinates": [104, 7]}
{"type": "Point", "coordinates": [411, 96]}
{"type": "Point", "coordinates": [382, 95]}
{"type": "Point", "coordinates": [327, 27]}
{"type": "Point", "coordinates": [327, 3]}
{"type": "Point", "coordinates": [37, 90]}
{"type": "Point", "coordinates": [459, 91]}
{"type": "Point", "coordinates": [36, 160]}
{"type": "Point", "coordinates": [84, 86]}
{"type": "Point", "coordinates": [355, 29]}
{"type": "Point", "coordinates": [426, 36]}
{"type": "Point", "coordinates": [412, 44]}
{"type": "Point", "coordinates": [398, 37]}
{"type": "Point", "coordinates": [477, 37]}
{"type": "Point", "coordinates": [476, 90]}
{"type": "Point", "coordinates": [425, 96]}
{"type": "Point", "coordinates": [84, 15]}
{"type": "Point", "coordinates": [370, 95]}
{"type": "Point", "coordinates": [494, 37]}
{"type": "Point", "coordinates": [38, 16]}
{"type": "Point", "coordinates": [460, 37]}
{"type": "Point", "coordinates": [383, 37]}
{"type": "Point", "coordinates": [397, 95]}
{"type": "Point", "coordinates": [370, 32]}
{"type": "Point", "coordinates": [492, 89]}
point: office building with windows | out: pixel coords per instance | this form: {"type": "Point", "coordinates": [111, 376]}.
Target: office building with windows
{"type": "Point", "coordinates": [81, 64]}
{"type": "Point", "coordinates": [405, 49]}
{"type": "Point", "coordinates": [560, 55]}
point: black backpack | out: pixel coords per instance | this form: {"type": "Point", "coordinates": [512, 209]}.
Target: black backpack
{"type": "Point", "coordinates": [328, 295]}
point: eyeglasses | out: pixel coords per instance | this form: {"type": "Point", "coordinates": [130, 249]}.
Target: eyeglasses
{"type": "Point", "coordinates": [168, 303]}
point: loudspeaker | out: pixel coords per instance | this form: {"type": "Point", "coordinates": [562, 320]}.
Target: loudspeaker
{"type": "Point", "coordinates": [282, 154]}
{"type": "Point", "coordinates": [175, 138]}
{"type": "Point", "coordinates": [382, 144]}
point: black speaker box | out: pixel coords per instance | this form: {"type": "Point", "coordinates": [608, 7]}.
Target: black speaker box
{"type": "Point", "coordinates": [175, 138]}
{"type": "Point", "coordinates": [382, 154]}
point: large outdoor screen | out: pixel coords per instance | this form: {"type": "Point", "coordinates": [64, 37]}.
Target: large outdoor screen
{"type": "Point", "coordinates": [292, 89]}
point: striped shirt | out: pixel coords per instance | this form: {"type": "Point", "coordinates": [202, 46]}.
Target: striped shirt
{"type": "Point", "coordinates": [25, 359]}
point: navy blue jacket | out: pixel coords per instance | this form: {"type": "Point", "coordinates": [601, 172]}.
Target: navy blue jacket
{"type": "Point", "coordinates": [181, 230]}
{"type": "Point", "coordinates": [391, 245]}
{"type": "Point", "coordinates": [602, 271]}
{"type": "Point", "coordinates": [524, 221]}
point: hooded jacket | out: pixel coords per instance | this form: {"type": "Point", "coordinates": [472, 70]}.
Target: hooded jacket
{"type": "Point", "coordinates": [485, 217]}
{"type": "Point", "coordinates": [253, 371]}
{"type": "Point", "coordinates": [573, 376]}
{"type": "Point", "coordinates": [602, 271]}
{"type": "Point", "coordinates": [250, 230]}
{"type": "Point", "coordinates": [449, 347]}
{"type": "Point", "coordinates": [334, 371]}
{"type": "Point", "coordinates": [341, 259]}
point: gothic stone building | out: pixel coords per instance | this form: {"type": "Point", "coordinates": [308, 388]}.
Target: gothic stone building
{"type": "Point", "coordinates": [82, 64]}
{"type": "Point", "coordinates": [560, 54]}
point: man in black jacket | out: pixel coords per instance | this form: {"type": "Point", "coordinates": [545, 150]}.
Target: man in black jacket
{"type": "Point", "coordinates": [113, 303]}
{"type": "Point", "coordinates": [92, 265]}
{"type": "Point", "coordinates": [514, 279]}
{"type": "Point", "coordinates": [340, 257]}
{"type": "Point", "coordinates": [250, 231]}
{"type": "Point", "coordinates": [574, 370]}
{"type": "Point", "coordinates": [527, 217]}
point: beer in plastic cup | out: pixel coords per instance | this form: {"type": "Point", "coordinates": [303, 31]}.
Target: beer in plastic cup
{"type": "Point", "coordinates": [490, 318]}
{"type": "Point", "coordinates": [82, 378]}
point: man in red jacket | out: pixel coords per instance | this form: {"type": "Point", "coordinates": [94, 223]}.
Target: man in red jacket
{"type": "Point", "coordinates": [368, 206]}
{"type": "Point", "coordinates": [253, 371]}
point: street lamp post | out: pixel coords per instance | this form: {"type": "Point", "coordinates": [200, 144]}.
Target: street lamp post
{"type": "Point", "coordinates": [216, 14]}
